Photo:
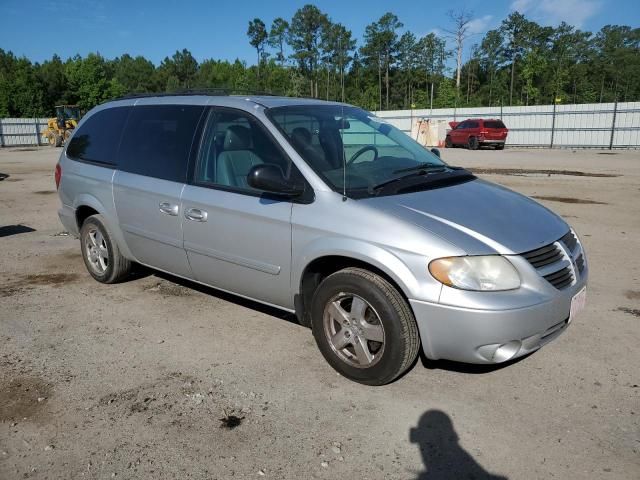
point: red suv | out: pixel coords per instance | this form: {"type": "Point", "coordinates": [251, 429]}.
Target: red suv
{"type": "Point", "coordinates": [474, 133]}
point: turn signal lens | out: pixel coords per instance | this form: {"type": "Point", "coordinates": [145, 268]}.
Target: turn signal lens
{"type": "Point", "coordinates": [481, 273]}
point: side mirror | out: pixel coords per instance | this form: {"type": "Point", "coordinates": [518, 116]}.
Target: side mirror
{"type": "Point", "coordinates": [271, 179]}
{"type": "Point", "coordinates": [436, 152]}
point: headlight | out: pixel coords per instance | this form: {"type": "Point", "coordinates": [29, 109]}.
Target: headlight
{"type": "Point", "coordinates": [482, 273]}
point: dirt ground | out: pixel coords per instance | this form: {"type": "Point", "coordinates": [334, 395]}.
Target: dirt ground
{"type": "Point", "coordinates": [158, 378]}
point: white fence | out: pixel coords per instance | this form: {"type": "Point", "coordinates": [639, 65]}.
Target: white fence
{"type": "Point", "coordinates": [22, 131]}
{"type": "Point", "coordinates": [592, 125]}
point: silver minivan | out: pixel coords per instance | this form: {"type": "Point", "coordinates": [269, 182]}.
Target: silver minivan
{"type": "Point", "coordinates": [324, 210]}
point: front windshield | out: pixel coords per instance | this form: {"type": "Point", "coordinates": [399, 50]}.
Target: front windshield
{"type": "Point", "coordinates": [71, 113]}
{"type": "Point", "coordinates": [330, 136]}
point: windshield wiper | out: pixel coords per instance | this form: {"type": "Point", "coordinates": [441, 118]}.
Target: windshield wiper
{"type": "Point", "coordinates": [443, 173]}
{"type": "Point", "coordinates": [427, 166]}
{"type": "Point", "coordinates": [415, 171]}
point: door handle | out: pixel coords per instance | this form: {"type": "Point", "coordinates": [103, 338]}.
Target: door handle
{"type": "Point", "coordinates": [169, 208]}
{"type": "Point", "coordinates": [196, 214]}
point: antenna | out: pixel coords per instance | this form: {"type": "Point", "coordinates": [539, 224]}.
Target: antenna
{"type": "Point", "coordinates": [344, 157]}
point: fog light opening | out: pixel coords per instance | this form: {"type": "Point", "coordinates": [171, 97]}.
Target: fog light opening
{"type": "Point", "coordinates": [506, 351]}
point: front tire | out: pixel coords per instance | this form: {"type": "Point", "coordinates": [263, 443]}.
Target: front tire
{"type": "Point", "coordinates": [364, 327]}
{"type": "Point", "coordinates": [448, 143]}
{"type": "Point", "coordinates": [473, 143]}
{"type": "Point", "coordinates": [100, 252]}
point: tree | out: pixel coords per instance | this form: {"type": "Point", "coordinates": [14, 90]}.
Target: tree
{"type": "Point", "coordinates": [379, 49]}
{"type": "Point", "coordinates": [135, 74]}
{"type": "Point", "coordinates": [336, 47]}
{"type": "Point", "coordinates": [407, 60]}
{"type": "Point", "coordinates": [90, 81]}
{"type": "Point", "coordinates": [460, 32]}
{"type": "Point", "coordinates": [179, 71]}
{"type": "Point", "coordinates": [514, 29]}
{"type": "Point", "coordinates": [257, 33]}
{"type": "Point", "coordinates": [278, 37]}
{"type": "Point", "coordinates": [388, 24]}
{"type": "Point", "coordinates": [490, 58]}
{"type": "Point", "coordinates": [305, 35]}
{"type": "Point", "coordinates": [432, 55]}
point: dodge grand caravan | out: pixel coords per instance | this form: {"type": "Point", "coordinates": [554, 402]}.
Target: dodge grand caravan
{"type": "Point", "coordinates": [324, 210]}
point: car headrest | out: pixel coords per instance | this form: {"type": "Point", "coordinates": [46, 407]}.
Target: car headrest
{"type": "Point", "coordinates": [237, 137]}
{"type": "Point", "coordinates": [301, 135]}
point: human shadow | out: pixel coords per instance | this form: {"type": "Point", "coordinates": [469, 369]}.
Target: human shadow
{"type": "Point", "coordinates": [442, 455]}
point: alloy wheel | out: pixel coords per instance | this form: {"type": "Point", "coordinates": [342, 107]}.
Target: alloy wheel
{"type": "Point", "coordinates": [354, 330]}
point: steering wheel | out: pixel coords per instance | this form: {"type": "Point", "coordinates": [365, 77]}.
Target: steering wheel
{"type": "Point", "coordinates": [366, 148]}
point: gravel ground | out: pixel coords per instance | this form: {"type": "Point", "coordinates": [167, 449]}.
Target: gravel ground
{"type": "Point", "coordinates": [158, 378]}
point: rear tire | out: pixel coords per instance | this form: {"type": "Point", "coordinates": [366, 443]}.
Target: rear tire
{"type": "Point", "coordinates": [364, 327]}
{"type": "Point", "coordinates": [100, 252]}
{"type": "Point", "coordinates": [473, 143]}
{"type": "Point", "coordinates": [447, 142]}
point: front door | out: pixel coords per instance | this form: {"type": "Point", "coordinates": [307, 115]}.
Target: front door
{"type": "Point", "coordinates": [237, 238]}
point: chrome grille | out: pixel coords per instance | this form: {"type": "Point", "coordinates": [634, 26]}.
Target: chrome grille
{"type": "Point", "coordinates": [544, 256]}
{"type": "Point", "coordinates": [552, 263]}
{"type": "Point", "coordinates": [560, 279]}
{"type": "Point", "coordinates": [570, 241]}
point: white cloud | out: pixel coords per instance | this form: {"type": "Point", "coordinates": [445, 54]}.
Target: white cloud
{"type": "Point", "coordinates": [480, 25]}
{"type": "Point", "coordinates": [574, 12]}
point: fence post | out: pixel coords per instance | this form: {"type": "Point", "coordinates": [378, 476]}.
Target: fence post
{"type": "Point", "coordinates": [553, 123]}
{"type": "Point", "coordinates": [613, 124]}
{"type": "Point", "coordinates": [1, 135]}
{"type": "Point", "coordinates": [500, 109]}
{"type": "Point", "coordinates": [37, 132]}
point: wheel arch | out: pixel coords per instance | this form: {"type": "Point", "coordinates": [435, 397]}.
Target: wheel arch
{"type": "Point", "coordinates": [86, 205]}
{"type": "Point", "coordinates": [323, 264]}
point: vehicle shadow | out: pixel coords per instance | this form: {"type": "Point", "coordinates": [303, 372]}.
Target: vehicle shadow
{"type": "Point", "coordinates": [142, 272]}
{"type": "Point", "coordinates": [471, 368]}
{"type": "Point", "coordinates": [8, 230]}
{"type": "Point", "coordinates": [442, 455]}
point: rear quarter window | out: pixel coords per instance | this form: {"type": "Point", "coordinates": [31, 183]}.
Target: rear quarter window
{"type": "Point", "coordinates": [98, 137]}
{"type": "Point", "coordinates": [494, 124]}
{"type": "Point", "coordinates": [157, 140]}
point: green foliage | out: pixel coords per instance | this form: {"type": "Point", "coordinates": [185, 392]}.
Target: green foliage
{"type": "Point", "coordinates": [519, 63]}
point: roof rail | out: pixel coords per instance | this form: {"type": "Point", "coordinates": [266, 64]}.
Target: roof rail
{"type": "Point", "coordinates": [196, 91]}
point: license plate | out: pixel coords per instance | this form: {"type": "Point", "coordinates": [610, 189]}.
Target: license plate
{"type": "Point", "coordinates": [577, 303]}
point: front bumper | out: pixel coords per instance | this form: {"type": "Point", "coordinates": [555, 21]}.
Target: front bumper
{"type": "Point", "coordinates": [491, 336]}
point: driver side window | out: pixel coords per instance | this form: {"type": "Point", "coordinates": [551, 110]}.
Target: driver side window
{"type": "Point", "coordinates": [233, 143]}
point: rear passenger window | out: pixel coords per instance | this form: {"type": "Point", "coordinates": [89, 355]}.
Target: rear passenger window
{"type": "Point", "coordinates": [494, 124]}
{"type": "Point", "coordinates": [97, 138]}
{"type": "Point", "coordinates": [157, 140]}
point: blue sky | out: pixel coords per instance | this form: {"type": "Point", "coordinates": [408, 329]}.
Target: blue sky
{"type": "Point", "coordinates": [217, 29]}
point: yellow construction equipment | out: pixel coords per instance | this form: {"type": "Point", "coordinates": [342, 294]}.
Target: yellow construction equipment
{"type": "Point", "coordinates": [60, 127]}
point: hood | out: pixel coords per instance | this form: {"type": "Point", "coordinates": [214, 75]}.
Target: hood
{"type": "Point", "coordinates": [478, 216]}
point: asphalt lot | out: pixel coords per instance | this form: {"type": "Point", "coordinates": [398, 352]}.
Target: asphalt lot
{"type": "Point", "coordinates": [158, 378]}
